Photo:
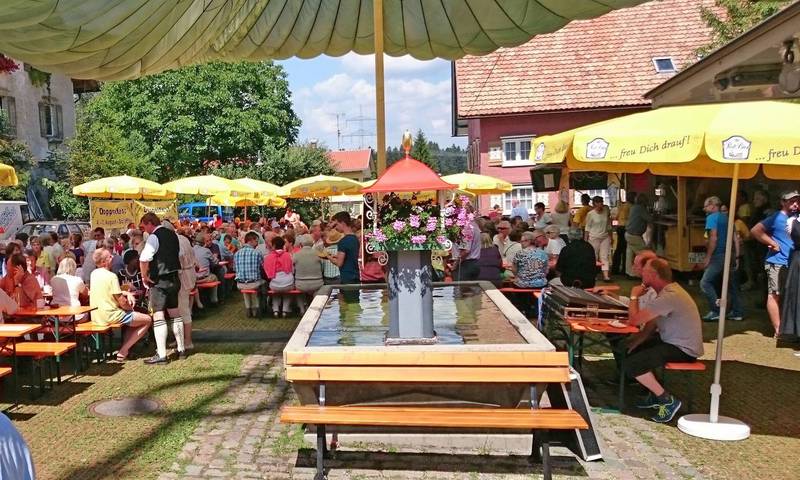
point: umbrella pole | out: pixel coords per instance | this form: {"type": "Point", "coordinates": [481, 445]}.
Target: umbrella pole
{"type": "Point", "coordinates": [380, 110]}
{"type": "Point", "coordinates": [712, 426]}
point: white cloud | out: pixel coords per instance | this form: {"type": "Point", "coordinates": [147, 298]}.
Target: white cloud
{"type": "Point", "coordinates": [411, 103]}
{"type": "Point", "coordinates": [405, 65]}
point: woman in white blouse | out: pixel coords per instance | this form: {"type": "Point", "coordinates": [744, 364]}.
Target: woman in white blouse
{"type": "Point", "coordinates": [68, 287]}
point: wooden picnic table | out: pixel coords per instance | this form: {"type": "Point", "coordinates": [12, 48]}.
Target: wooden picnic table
{"type": "Point", "coordinates": [13, 332]}
{"type": "Point", "coordinates": [55, 313]}
{"type": "Point", "coordinates": [578, 327]}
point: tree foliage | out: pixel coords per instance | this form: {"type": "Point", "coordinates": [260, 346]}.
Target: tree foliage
{"type": "Point", "coordinates": [281, 167]}
{"type": "Point", "coordinates": [17, 155]}
{"type": "Point", "coordinates": [452, 159]}
{"type": "Point", "coordinates": [737, 17]}
{"type": "Point", "coordinates": [175, 123]}
{"type": "Point", "coordinates": [421, 152]}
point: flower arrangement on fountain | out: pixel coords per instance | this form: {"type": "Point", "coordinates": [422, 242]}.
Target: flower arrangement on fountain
{"type": "Point", "coordinates": [419, 224]}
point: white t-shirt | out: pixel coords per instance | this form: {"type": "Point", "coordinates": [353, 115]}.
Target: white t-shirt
{"type": "Point", "coordinates": [7, 305]}
{"type": "Point", "coordinates": [540, 223]}
{"type": "Point", "coordinates": [554, 246]}
{"type": "Point", "coordinates": [597, 223]}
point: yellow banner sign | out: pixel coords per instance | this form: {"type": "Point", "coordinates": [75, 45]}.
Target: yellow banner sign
{"type": "Point", "coordinates": [164, 210]}
{"type": "Point", "coordinates": [118, 214]}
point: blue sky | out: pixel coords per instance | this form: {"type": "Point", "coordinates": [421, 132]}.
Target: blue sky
{"type": "Point", "coordinates": [417, 97]}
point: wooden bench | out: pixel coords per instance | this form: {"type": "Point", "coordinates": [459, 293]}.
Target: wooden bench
{"type": "Point", "coordinates": [326, 369]}
{"type": "Point", "coordinates": [38, 351]}
{"type": "Point", "coordinates": [98, 334]}
{"type": "Point", "coordinates": [230, 275]}
{"type": "Point", "coordinates": [684, 367]}
{"type": "Point", "coordinates": [294, 291]}
{"type": "Point", "coordinates": [206, 285]}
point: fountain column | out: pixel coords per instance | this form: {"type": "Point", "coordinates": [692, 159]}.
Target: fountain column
{"type": "Point", "coordinates": [410, 297]}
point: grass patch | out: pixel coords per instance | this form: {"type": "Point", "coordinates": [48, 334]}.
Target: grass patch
{"type": "Point", "coordinates": [290, 440]}
{"type": "Point", "coordinates": [67, 442]}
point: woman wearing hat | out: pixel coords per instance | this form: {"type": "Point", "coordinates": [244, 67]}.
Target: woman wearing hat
{"type": "Point", "coordinates": [330, 272]}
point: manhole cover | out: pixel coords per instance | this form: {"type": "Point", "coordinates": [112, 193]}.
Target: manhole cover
{"type": "Point", "coordinates": [124, 407]}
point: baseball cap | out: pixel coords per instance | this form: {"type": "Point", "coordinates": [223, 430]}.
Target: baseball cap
{"type": "Point", "coordinates": [788, 195]}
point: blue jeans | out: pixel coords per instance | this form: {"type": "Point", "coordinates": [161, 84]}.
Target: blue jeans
{"type": "Point", "coordinates": [711, 276]}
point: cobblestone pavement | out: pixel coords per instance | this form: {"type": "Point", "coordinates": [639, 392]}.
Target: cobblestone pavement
{"type": "Point", "coordinates": [243, 439]}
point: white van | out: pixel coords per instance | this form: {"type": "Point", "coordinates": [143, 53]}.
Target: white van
{"type": "Point", "coordinates": [11, 217]}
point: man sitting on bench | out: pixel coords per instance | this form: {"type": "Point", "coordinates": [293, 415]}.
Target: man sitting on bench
{"type": "Point", "coordinates": [679, 339]}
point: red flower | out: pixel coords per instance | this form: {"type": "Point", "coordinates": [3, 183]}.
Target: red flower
{"type": "Point", "coordinates": [7, 65]}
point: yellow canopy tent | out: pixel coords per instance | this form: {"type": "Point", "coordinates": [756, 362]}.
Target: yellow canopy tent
{"type": "Point", "coordinates": [8, 176]}
{"type": "Point", "coordinates": [123, 187]}
{"type": "Point", "coordinates": [263, 188]}
{"type": "Point", "coordinates": [107, 40]}
{"type": "Point", "coordinates": [229, 201]}
{"type": "Point", "coordinates": [478, 184]}
{"type": "Point", "coordinates": [209, 185]}
{"type": "Point", "coordinates": [320, 186]}
{"type": "Point", "coordinates": [719, 140]}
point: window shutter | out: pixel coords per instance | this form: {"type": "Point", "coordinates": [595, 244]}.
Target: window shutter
{"type": "Point", "coordinates": [495, 154]}
{"type": "Point", "coordinates": [58, 128]}
{"type": "Point", "coordinates": [11, 113]}
{"type": "Point", "coordinates": [43, 119]}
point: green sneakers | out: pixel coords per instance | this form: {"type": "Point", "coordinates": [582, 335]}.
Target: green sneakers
{"type": "Point", "coordinates": [666, 411]}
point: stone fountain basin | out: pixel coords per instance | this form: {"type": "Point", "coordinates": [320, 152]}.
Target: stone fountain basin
{"type": "Point", "coordinates": [298, 351]}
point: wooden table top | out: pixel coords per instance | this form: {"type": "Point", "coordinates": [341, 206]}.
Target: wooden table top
{"type": "Point", "coordinates": [16, 330]}
{"type": "Point", "coordinates": [595, 325]}
{"type": "Point", "coordinates": [61, 311]}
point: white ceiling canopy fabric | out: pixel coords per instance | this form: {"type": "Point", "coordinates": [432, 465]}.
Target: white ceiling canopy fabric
{"type": "Point", "coordinates": [117, 39]}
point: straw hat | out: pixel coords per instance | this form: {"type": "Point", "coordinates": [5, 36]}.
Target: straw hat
{"type": "Point", "coordinates": [333, 237]}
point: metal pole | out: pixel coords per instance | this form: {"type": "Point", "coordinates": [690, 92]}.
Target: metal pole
{"type": "Point", "coordinates": [380, 110]}
{"type": "Point", "coordinates": [716, 387]}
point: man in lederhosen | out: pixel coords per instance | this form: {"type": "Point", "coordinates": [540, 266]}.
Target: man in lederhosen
{"type": "Point", "coordinates": [160, 267]}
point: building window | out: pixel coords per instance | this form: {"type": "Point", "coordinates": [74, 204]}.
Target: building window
{"type": "Point", "coordinates": [9, 108]}
{"type": "Point", "coordinates": [51, 123]}
{"type": "Point", "coordinates": [516, 150]}
{"type": "Point", "coordinates": [664, 65]}
{"type": "Point", "coordinates": [576, 196]}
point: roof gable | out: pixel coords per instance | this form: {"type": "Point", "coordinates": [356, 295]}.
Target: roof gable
{"type": "Point", "coordinates": [350, 160]}
{"type": "Point", "coordinates": [601, 63]}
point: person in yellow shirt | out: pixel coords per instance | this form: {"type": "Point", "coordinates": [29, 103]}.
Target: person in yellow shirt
{"type": "Point", "coordinates": [624, 209]}
{"type": "Point", "coordinates": [579, 219]}
{"type": "Point", "coordinates": [113, 305]}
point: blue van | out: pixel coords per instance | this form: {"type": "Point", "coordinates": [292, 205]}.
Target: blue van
{"type": "Point", "coordinates": [203, 213]}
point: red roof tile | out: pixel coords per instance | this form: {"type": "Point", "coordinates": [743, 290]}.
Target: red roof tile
{"type": "Point", "coordinates": [599, 63]}
{"type": "Point", "coordinates": [350, 160]}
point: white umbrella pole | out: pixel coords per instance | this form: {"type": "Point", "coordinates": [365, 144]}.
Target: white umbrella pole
{"type": "Point", "coordinates": [712, 426]}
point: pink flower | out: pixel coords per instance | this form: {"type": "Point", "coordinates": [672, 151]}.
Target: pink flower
{"type": "Point", "coordinates": [418, 239]}
{"type": "Point", "coordinates": [448, 222]}
{"type": "Point", "coordinates": [413, 220]}
{"type": "Point", "coordinates": [379, 236]}
{"type": "Point", "coordinates": [432, 222]}
{"type": "Point", "coordinates": [399, 225]}
{"type": "Point", "coordinates": [442, 240]}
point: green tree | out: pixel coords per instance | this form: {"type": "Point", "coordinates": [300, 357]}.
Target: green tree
{"type": "Point", "coordinates": [281, 167]}
{"type": "Point", "coordinates": [734, 17]}
{"type": "Point", "coordinates": [17, 155]}
{"type": "Point", "coordinates": [176, 123]}
{"type": "Point", "coordinates": [421, 150]}
{"type": "Point", "coordinates": [63, 204]}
